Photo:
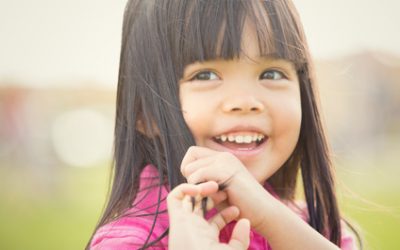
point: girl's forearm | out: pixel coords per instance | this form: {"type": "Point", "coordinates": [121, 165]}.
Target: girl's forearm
{"type": "Point", "coordinates": [286, 230]}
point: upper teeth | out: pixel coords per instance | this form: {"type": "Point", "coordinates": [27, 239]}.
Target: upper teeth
{"type": "Point", "coordinates": [241, 138]}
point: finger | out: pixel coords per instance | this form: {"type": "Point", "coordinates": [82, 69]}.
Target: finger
{"type": "Point", "coordinates": [197, 208]}
{"type": "Point", "coordinates": [221, 206]}
{"type": "Point", "coordinates": [191, 167]}
{"type": "Point", "coordinates": [212, 173]}
{"type": "Point", "coordinates": [240, 238]}
{"type": "Point", "coordinates": [206, 204]}
{"type": "Point", "coordinates": [200, 176]}
{"type": "Point", "coordinates": [208, 188]}
{"type": "Point", "coordinates": [195, 153]}
{"type": "Point", "coordinates": [218, 197]}
{"type": "Point", "coordinates": [227, 215]}
{"type": "Point", "coordinates": [177, 194]}
{"type": "Point", "coordinates": [207, 174]}
{"type": "Point", "coordinates": [187, 204]}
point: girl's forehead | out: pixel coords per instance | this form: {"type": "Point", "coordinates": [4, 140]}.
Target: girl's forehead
{"type": "Point", "coordinates": [250, 46]}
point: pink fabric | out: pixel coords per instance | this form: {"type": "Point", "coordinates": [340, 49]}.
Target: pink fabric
{"type": "Point", "coordinates": [131, 230]}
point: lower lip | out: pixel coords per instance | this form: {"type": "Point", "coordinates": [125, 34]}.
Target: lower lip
{"type": "Point", "coordinates": [242, 153]}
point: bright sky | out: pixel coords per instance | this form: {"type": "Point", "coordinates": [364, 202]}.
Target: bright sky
{"type": "Point", "coordinates": [47, 42]}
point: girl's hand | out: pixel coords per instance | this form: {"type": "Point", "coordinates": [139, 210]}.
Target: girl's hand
{"type": "Point", "coordinates": [189, 229]}
{"type": "Point", "coordinates": [203, 164]}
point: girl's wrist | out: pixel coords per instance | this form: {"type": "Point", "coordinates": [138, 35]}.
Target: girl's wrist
{"type": "Point", "coordinates": [263, 204]}
{"type": "Point", "coordinates": [268, 207]}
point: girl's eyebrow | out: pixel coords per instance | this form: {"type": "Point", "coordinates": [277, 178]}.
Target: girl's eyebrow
{"type": "Point", "coordinates": [261, 60]}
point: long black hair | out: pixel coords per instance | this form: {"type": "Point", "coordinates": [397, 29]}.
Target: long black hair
{"type": "Point", "coordinates": [161, 37]}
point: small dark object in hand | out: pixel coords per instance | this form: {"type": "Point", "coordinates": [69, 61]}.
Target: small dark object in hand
{"type": "Point", "coordinates": [221, 187]}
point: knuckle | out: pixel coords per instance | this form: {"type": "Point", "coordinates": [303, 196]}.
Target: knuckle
{"type": "Point", "coordinates": [187, 169]}
{"type": "Point", "coordinates": [191, 179]}
{"type": "Point", "coordinates": [191, 149]}
{"type": "Point", "coordinates": [169, 197]}
{"type": "Point", "coordinates": [183, 170]}
{"type": "Point", "coordinates": [195, 177]}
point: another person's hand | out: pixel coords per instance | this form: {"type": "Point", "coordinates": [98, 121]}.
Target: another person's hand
{"type": "Point", "coordinates": [189, 229]}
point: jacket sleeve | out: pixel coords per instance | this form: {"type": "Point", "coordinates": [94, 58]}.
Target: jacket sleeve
{"type": "Point", "coordinates": [125, 234]}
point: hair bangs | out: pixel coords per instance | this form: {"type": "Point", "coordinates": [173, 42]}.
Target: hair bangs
{"type": "Point", "coordinates": [277, 31]}
{"type": "Point", "coordinates": [212, 29]}
{"type": "Point", "coordinates": [209, 30]}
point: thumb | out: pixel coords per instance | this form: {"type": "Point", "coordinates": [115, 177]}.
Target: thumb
{"type": "Point", "coordinates": [240, 238]}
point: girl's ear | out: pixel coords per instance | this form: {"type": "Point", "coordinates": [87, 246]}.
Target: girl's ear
{"type": "Point", "coordinates": [153, 132]}
{"type": "Point", "coordinates": [140, 126]}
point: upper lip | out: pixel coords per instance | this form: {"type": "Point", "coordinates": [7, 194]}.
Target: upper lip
{"type": "Point", "coordinates": [242, 128]}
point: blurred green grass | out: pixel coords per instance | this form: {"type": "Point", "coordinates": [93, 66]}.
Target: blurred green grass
{"type": "Point", "coordinates": [369, 196]}
{"type": "Point", "coordinates": [61, 219]}
{"type": "Point", "coordinates": [378, 226]}
{"type": "Point", "coordinates": [64, 217]}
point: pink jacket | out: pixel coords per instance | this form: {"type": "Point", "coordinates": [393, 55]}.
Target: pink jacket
{"type": "Point", "coordinates": [131, 230]}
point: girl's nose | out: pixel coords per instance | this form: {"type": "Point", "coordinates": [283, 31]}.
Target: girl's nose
{"type": "Point", "coordinates": [242, 104]}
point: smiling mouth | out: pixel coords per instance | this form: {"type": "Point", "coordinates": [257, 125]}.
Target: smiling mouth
{"type": "Point", "coordinates": [245, 142]}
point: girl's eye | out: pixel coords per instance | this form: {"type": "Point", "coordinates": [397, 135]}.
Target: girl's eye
{"type": "Point", "coordinates": [272, 75]}
{"type": "Point", "coordinates": [205, 76]}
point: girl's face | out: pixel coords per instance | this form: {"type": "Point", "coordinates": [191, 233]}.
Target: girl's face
{"type": "Point", "coordinates": [249, 106]}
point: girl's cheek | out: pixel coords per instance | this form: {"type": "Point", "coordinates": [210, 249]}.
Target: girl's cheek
{"type": "Point", "coordinates": [286, 116]}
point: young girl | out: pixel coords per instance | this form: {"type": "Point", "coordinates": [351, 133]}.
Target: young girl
{"type": "Point", "coordinates": [221, 95]}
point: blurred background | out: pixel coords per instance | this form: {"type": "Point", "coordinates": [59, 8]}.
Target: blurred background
{"type": "Point", "coordinates": [58, 72]}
